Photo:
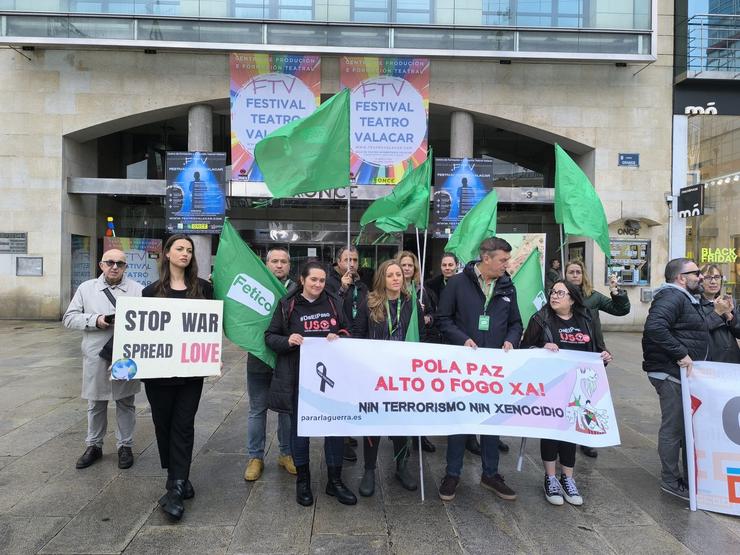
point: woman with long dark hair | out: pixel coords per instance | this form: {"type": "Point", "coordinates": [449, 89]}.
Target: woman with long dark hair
{"type": "Point", "coordinates": [386, 315]}
{"type": "Point", "coordinates": [174, 401]}
{"type": "Point", "coordinates": [719, 309]}
{"type": "Point", "coordinates": [563, 323]}
{"type": "Point", "coordinates": [310, 311]}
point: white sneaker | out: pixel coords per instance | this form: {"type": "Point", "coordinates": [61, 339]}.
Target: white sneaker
{"type": "Point", "coordinates": [553, 491]}
{"type": "Point", "coordinates": [570, 490]}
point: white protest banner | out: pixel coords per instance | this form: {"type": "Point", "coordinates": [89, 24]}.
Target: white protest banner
{"type": "Point", "coordinates": [711, 409]}
{"type": "Point", "coordinates": [155, 337]}
{"type": "Point", "coordinates": [367, 388]}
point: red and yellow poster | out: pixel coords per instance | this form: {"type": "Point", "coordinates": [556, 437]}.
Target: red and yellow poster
{"type": "Point", "coordinates": [268, 91]}
{"type": "Point", "coordinates": [389, 113]}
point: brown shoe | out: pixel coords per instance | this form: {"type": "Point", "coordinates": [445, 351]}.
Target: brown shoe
{"type": "Point", "coordinates": [254, 470]}
{"type": "Point", "coordinates": [496, 484]}
{"type": "Point", "coordinates": [286, 461]}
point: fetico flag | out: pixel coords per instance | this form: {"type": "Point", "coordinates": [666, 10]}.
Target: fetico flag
{"type": "Point", "coordinates": [577, 206]}
{"type": "Point", "coordinates": [529, 289]}
{"type": "Point", "coordinates": [309, 154]}
{"type": "Point", "coordinates": [477, 225]}
{"type": "Point", "coordinates": [249, 291]}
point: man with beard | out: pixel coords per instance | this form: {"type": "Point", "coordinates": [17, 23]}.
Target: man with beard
{"type": "Point", "coordinates": [675, 335]}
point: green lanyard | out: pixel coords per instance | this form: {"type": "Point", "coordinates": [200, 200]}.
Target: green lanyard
{"type": "Point", "coordinates": [354, 303]}
{"type": "Point", "coordinates": [489, 295]}
{"type": "Point", "coordinates": [391, 329]}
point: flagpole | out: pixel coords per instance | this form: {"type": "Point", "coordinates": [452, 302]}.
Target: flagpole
{"type": "Point", "coordinates": [562, 250]}
{"type": "Point", "coordinates": [521, 454]}
{"type": "Point", "coordinates": [349, 222]}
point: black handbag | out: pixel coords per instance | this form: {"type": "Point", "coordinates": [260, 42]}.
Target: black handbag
{"type": "Point", "coordinates": [106, 353]}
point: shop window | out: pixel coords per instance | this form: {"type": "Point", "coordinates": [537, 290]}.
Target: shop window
{"type": "Point", "coordinates": [630, 262]}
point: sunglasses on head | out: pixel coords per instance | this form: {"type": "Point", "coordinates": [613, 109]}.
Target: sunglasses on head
{"type": "Point", "coordinates": [116, 263]}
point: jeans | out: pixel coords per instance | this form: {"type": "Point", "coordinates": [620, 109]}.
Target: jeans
{"type": "Point", "coordinates": [97, 422]}
{"type": "Point", "coordinates": [299, 446]}
{"type": "Point", "coordinates": [456, 452]}
{"type": "Point", "coordinates": [671, 434]}
{"type": "Point", "coordinates": [258, 389]}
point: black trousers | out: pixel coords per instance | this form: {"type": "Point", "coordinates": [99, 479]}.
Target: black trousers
{"type": "Point", "coordinates": [173, 412]}
{"type": "Point", "coordinates": [401, 446]}
{"type": "Point", "coordinates": [552, 450]}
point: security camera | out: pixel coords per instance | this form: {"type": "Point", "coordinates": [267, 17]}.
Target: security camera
{"type": "Point", "coordinates": [632, 225]}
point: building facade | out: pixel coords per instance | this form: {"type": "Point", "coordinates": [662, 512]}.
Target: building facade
{"type": "Point", "coordinates": [93, 94]}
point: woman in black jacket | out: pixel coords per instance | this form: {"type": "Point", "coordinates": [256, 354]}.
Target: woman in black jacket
{"type": "Point", "coordinates": [308, 312]}
{"type": "Point", "coordinates": [174, 401]}
{"type": "Point", "coordinates": [564, 323]}
{"type": "Point", "coordinates": [386, 315]}
{"type": "Point", "coordinates": [722, 320]}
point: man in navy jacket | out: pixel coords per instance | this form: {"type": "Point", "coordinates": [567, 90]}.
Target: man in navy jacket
{"type": "Point", "coordinates": [478, 308]}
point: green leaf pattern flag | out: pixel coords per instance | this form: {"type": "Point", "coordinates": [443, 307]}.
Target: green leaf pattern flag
{"type": "Point", "coordinates": [577, 206]}
{"type": "Point", "coordinates": [530, 292]}
{"type": "Point", "coordinates": [249, 291]}
{"type": "Point", "coordinates": [309, 154]}
{"type": "Point", "coordinates": [407, 204]}
{"type": "Point", "coordinates": [477, 225]}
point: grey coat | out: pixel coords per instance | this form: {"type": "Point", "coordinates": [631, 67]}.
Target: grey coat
{"type": "Point", "coordinates": [89, 302]}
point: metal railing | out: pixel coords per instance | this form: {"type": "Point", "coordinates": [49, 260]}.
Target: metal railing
{"type": "Point", "coordinates": [713, 46]}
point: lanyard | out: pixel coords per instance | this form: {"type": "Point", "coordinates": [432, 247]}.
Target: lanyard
{"type": "Point", "coordinates": [391, 329]}
{"type": "Point", "coordinates": [287, 283]}
{"type": "Point", "coordinates": [489, 294]}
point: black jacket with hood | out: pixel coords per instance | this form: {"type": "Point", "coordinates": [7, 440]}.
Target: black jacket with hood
{"type": "Point", "coordinates": [675, 327]}
{"type": "Point", "coordinates": [293, 314]}
{"type": "Point", "coordinates": [539, 329]}
{"type": "Point", "coordinates": [462, 305]}
{"type": "Point", "coordinates": [334, 286]}
{"type": "Point", "coordinates": [723, 335]}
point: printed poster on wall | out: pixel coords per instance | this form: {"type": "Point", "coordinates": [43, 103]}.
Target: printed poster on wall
{"type": "Point", "coordinates": [81, 266]}
{"type": "Point", "coordinates": [142, 256]}
{"type": "Point", "coordinates": [459, 184]}
{"type": "Point", "coordinates": [268, 91]}
{"type": "Point", "coordinates": [195, 199]}
{"type": "Point", "coordinates": [389, 113]}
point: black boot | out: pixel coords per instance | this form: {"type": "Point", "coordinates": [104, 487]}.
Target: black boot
{"type": "Point", "coordinates": [367, 484]}
{"type": "Point", "coordinates": [173, 505]}
{"type": "Point", "coordinates": [404, 475]}
{"type": "Point", "coordinates": [336, 488]}
{"type": "Point", "coordinates": [187, 491]}
{"type": "Point", "coordinates": [303, 494]}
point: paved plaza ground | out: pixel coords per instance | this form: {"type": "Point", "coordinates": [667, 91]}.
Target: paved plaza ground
{"type": "Point", "coordinates": [47, 506]}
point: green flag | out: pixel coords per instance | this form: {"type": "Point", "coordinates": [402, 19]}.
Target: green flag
{"type": "Point", "coordinates": [309, 154]}
{"type": "Point", "coordinates": [477, 225]}
{"type": "Point", "coordinates": [577, 206]}
{"type": "Point", "coordinates": [412, 334]}
{"type": "Point", "coordinates": [529, 289]}
{"type": "Point", "coordinates": [407, 204]}
{"type": "Point", "coordinates": [249, 291]}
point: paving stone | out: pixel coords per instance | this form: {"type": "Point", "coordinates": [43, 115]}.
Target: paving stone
{"type": "Point", "coordinates": [26, 438]}
{"type": "Point", "coordinates": [110, 521]}
{"type": "Point", "coordinates": [357, 545]}
{"type": "Point", "coordinates": [641, 539]}
{"type": "Point", "coordinates": [180, 538]}
{"type": "Point", "coordinates": [23, 535]}
{"type": "Point", "coordinates": [272, 506]}
{"type": "Point", "coordinates": [5, 461]}
{"type": "Point", "coordinates": [425, 528]}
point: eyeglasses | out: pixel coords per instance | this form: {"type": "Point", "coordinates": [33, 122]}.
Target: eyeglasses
{"type": "Point", "coordinates": [713, 278]}
{"type": "Point", "coordinates": [558, 293]}
{"type": "Point", "coordinates": [116, 263]}
{"type": "Point", "coordinates": [697, 273]}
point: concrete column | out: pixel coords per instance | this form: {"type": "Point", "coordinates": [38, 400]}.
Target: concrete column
{"type": "Point", "coordinates": [200, 138]}
{"type": "Point", "coordinates": [461, 135]}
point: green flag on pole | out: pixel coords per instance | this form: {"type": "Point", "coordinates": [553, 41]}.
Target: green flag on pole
{"type": "Point", "coordinates": [577, 206]}
{"type": "Point", "coordinates": [407, 204]}
{"type": "Point", "coordinates": [477, 225]}
{"type": "Point", "coordinates": [309, 154]}
{"type": "Point", "coordinates": [249, 291]}
{"type": "Point", "coordinates": [530, 293]}
{"type": "Point", "coordinates": [412, 334]}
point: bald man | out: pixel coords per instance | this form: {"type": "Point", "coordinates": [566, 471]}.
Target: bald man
{"type": "Point", "coordinates": [91, 311]}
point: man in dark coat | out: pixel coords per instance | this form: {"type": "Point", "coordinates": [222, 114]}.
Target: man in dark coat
{"type": "Point", "coordinates": [344, 282]}
{"type": "Point", "coordinates": [675, 335]}
{"type": "Point", "coordinates": [259, 377]}
{"type": "Point", "coordinates": [479, 309]}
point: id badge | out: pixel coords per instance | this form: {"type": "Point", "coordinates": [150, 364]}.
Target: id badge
{"type": "Point", "coordinates": [484, 322]}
